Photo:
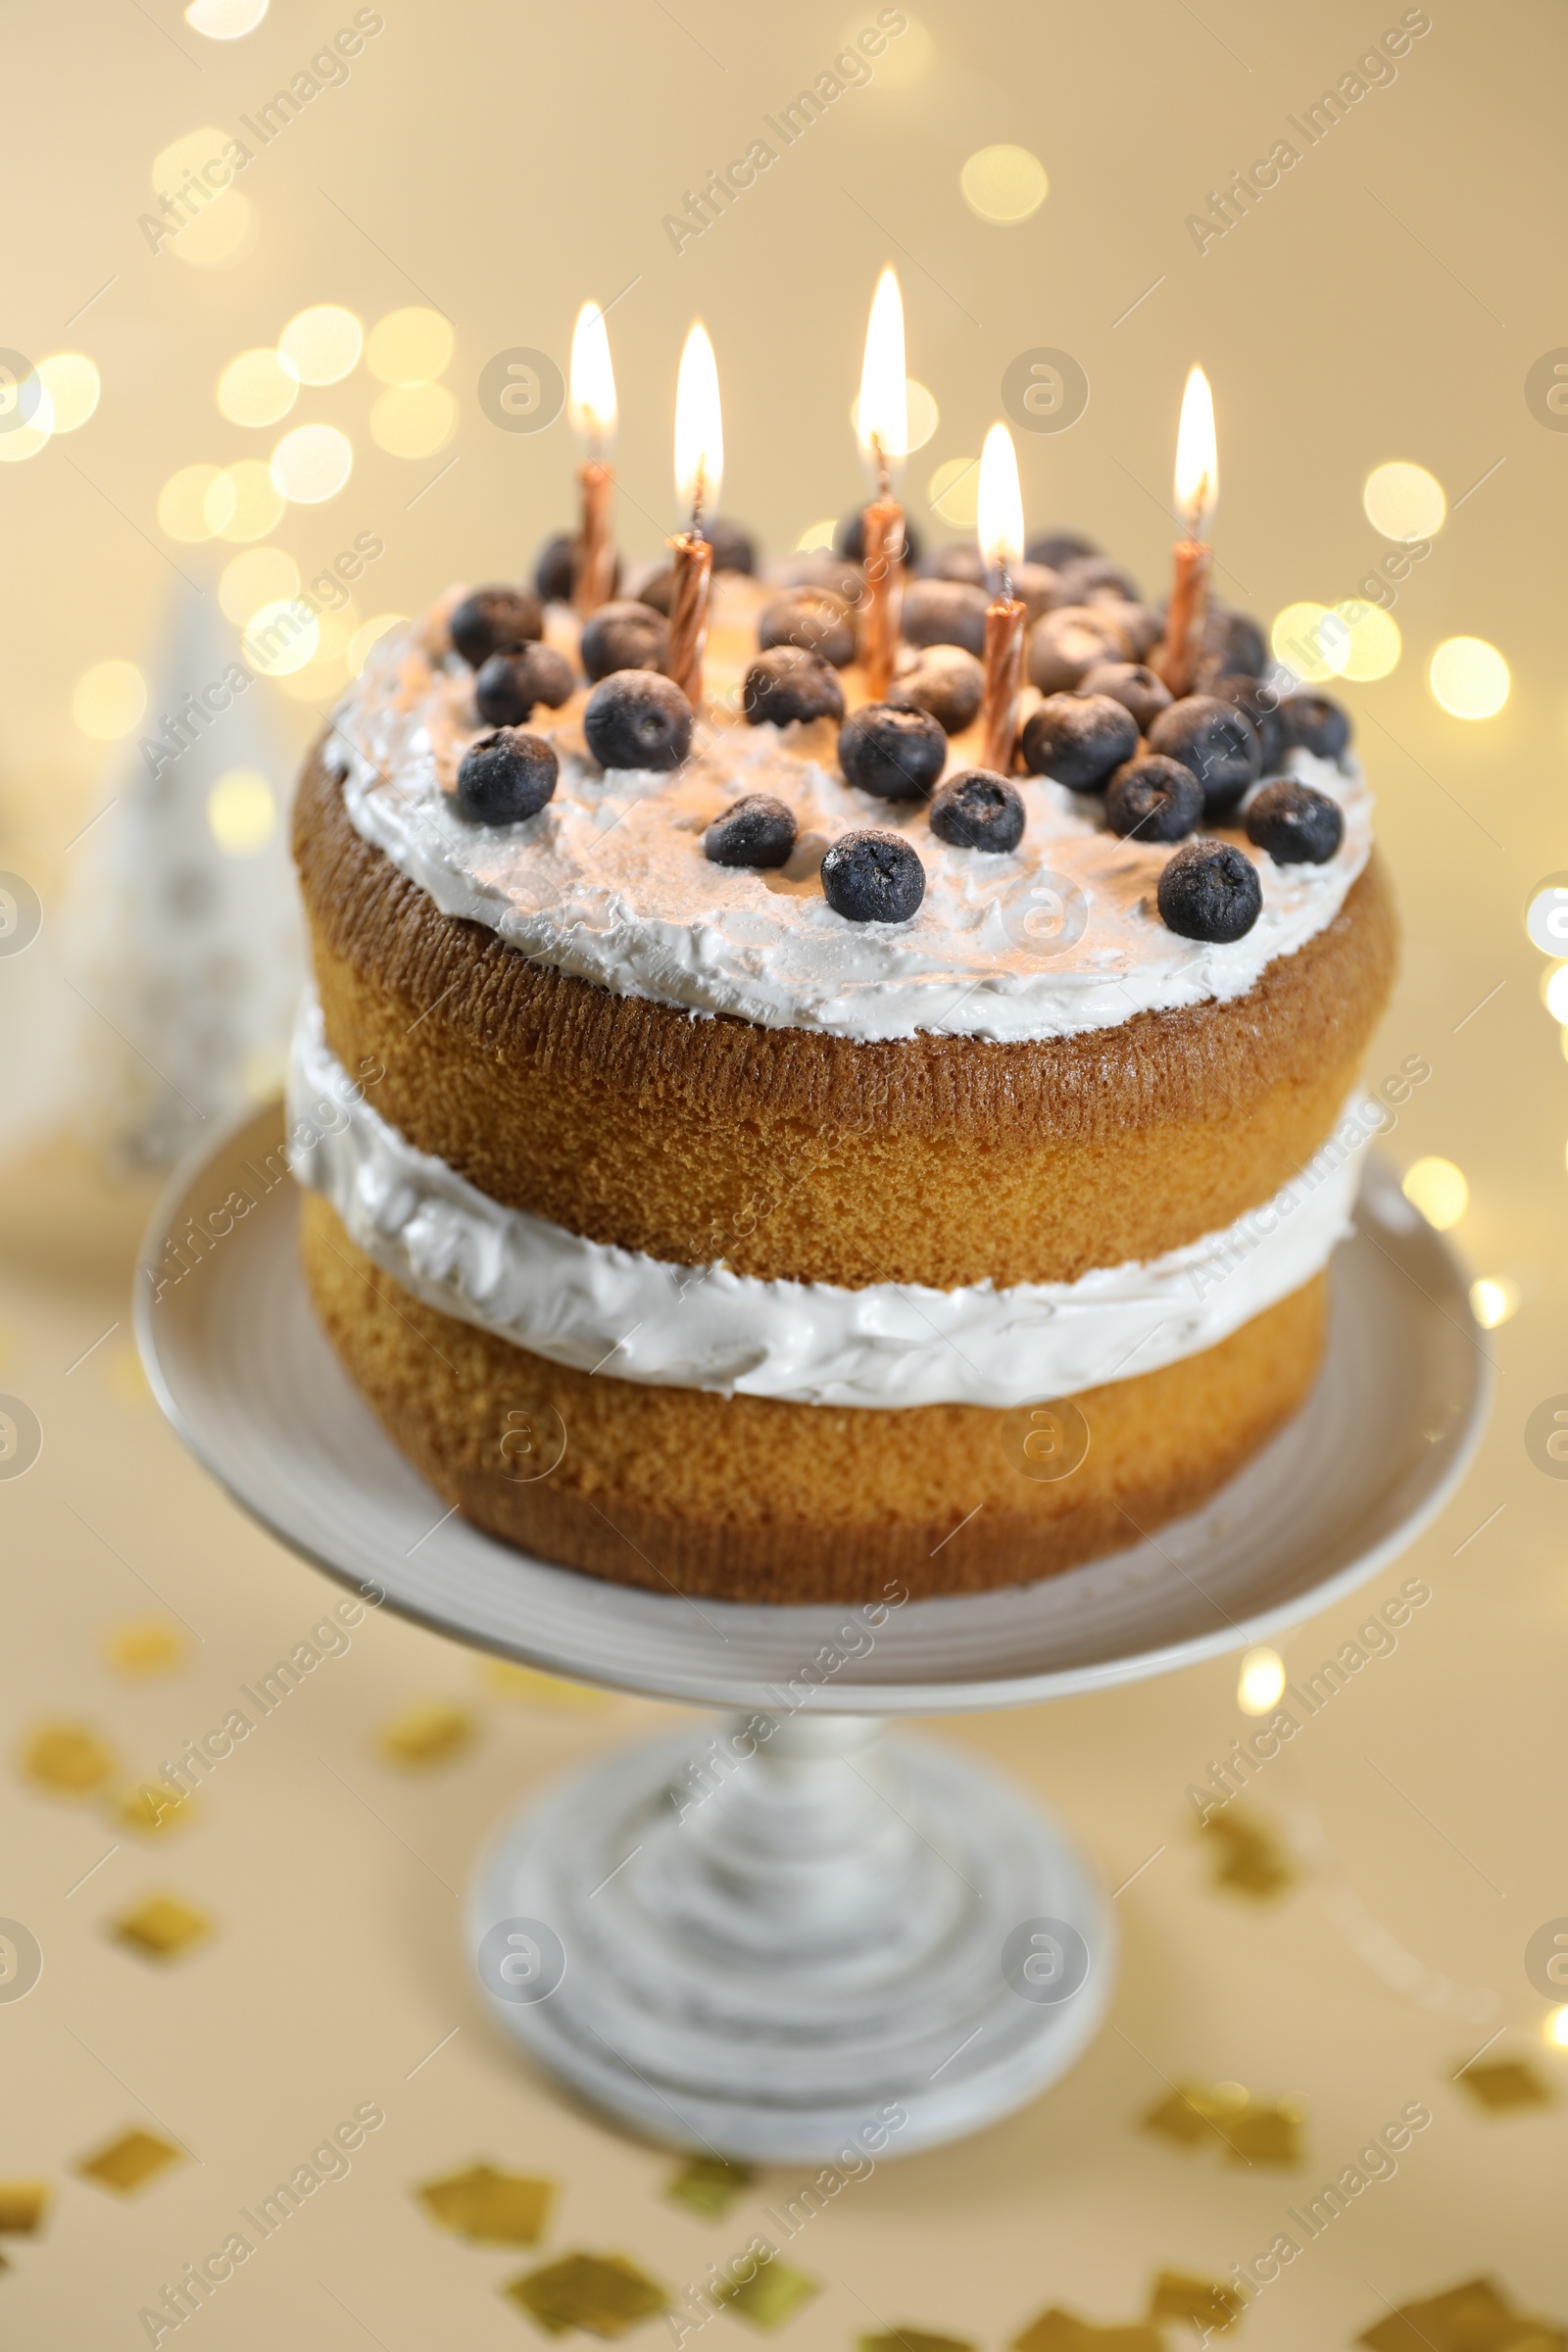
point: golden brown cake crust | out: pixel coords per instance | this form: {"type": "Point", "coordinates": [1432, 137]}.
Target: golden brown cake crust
{"type": "Point", "coordinates": [791, 1155]}
{"type": "Point", "coordinates": [744, 1498]}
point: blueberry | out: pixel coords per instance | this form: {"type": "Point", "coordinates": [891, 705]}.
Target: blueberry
{"type": "Point", "coordinates": [946, 612]}
{"type": "Point", "coordinates": [898, 754]}
{"type": "Point", "coordinates": [625, 635]}
{"type": "Point", "coordinates": [636, 718]}
{"type": "Point", "coordinates": [1038, 588]}
{"type": "Point", "coordinates": [508, 685]}
{"type": "Point", "coordinates": [873, 877]}
{"type": "Point", "coordinates": [946, 681]}
{"type": "Point", "coordinates": [755, 831]}
{"type": "Point", "coordinates": [820, 568]}
{"type": "Point", "coordinates": [1077, 739]}
{"type": "Point", "coordinates": [1142, 627]}
{"type": "Point", "coordinates": [960, 560]}
{"type": "Point", "coordinates": [555, 574]}
{"type": "Point", "coordinates": [1232, 641]}
{"type": "Point", "coordinates": [494, 620]}
{"type": "Point", "coordinates": [790, 682]}
{"type": "Point", "coordinates": [1153, 799]}
{"type": "Point", "coordinates": [1129, 683]}
{"type": "Point", "coordinates": [734, 547]}
{"type": "Point", "coordinates": [818, 619]}
{"type": "Point", "coordinates": [1261, 704]}
{"type": "Point", "coordinates": [658, 589]}
{"type": "Point", "coordinates": [978, 810]}
{"type": "Point", "coordinates": [504, 777]}
{"type": "Point", "coordinates": [1210, 891]}
{"type": "Point", "coordinates": [850, 540]}
{"type": "Point", "coordinates": [1057, 548]}
{"type": "Point", "coordinates": [1317, 725]}
{"type": "Point", "coordinates": [1296, 825]}
{"type": "Point", "coordinates": [1070, 640]}
{"type": "Point", "coordinates": [1216, 741]}
{"type": "Point", "coordinates": [1084, 577]}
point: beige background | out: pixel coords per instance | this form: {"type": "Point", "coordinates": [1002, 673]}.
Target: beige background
{"type": "Point", "coordinates": [504, 162]}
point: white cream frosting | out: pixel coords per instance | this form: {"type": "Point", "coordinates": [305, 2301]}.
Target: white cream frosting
{"type": "Point", "coordinates": [635, 1317]}
{"type": "Point", "coordinates": [609, 882]}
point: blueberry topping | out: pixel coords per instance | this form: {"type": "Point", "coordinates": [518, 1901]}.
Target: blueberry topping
{"type": "Point", "coordinates": [734, 547]}
{"type": "Point", "coordinates": [1071, 640]}
{"type": "Point", "coordinates": [555, 574]}
{"type": "Point", "coordinates": [946, 612]}
{"type": "Point", "coordinates": [1129, 683]}
{"type": "Point", "coordinates": [1140, 624]}
{"type": "Point", "coordinates": [1215, 741]}
{"type": "Point", "coordinates": [636, 718]}
{"type": "Point", "coordinates": [1210, 891]}
{"type": "Point", "coordinates": [755, 831]}
{"type": "Point", "coordinates": [978, 810]}
{"type": "Point", "coordinates": [818, 620]}
{"type": "Point", "coordinates": [1261, 704]}
{"type": "Point", "coordinates": [789, 682]}
{"type": "Point", "coordinates": [505, 778]}
{"type": "Point", "coordinates": [873, 877]}
{"type": "Point", "coordinates": [658, 591]}
{"type": "Point", "coordinates": [1087, 576]}
{"type": "Point", "coordinates": [850, 540]}
{"type": "Point", "coordinates": [1296, 825]}
{"type": "Point", "coordinates": [898, 754]}
{"type": "Point", "coordinates": [1232, 641]}
{"type": "Point", "coordinates": [508, 685]}
{"type": "Point", "coordinates": [1038, 588]}
{"type": "Point", "coordinates": [625, 635]}
{"type": "Point", "coordinates": [1317, 725]}
{"type": "Point", "coordinates": [948, 682]}
{"type": "Point", "coordinates": [494, 620]}
{"type": "Point", "coordinates": [820, 568]}
{"type": "Point", "coordinates": [1153, 799]}
{"type": "Point", "coordinates": [1078, 739]}
{"type": "Point", "coordinates": [960, 560]}
{"type": "Point", "coordinates": [1058, 548]}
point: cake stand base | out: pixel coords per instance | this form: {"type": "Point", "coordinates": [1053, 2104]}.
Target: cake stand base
{"type": "Point", "coordinates": [793, 1940]}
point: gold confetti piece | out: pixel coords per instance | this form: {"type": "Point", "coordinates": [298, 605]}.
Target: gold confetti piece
{"type": "Point", "coordinates": [1255, 1860]}
{"type": "Point", "coordinates": [1197, 2112]}
{"type": "Point", "coordinates": [144, 1647]}
{"type": "Point", "coordinates": [1205, 2304]}
{"type": "Point", "coordinates": [914, 2339]}
{"type": "Point", "coordinates": [490, 2206]}
{"type": "Point", "coordinates": [129, 2162]}
{"type": "Point", "coordinates": [427, 1734]}
{"type": "Point", "coordinates": [709, 2186]}
{"type": "Point", "coordinates": [1058, 2331]}
{"type": "Point", "coordinates": [524, 1683]}
{"type": "Point", "coordinates": [768, 2296]}
{"type": "Point", "coordinates": [1477, 2316]}
{"type": "Point", "coordinates": [162, 1926]}
{"type": "Point", "coordinates": [22, 2206]}
{"type": "Point", "coordinates": [152, 1808]}
{"type": "Point", "coordinates": [68, 1758]}
{"type": "Point", "coordinates": [1506, 2083]}
{"type": "Point", "coordinates": [1266, 2134]}
{"type": "Point", "coordinates": [604, 2294]}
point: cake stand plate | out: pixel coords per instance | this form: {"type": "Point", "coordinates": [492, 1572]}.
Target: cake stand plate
{"type": "Point", "coordinates": [787, 1938]}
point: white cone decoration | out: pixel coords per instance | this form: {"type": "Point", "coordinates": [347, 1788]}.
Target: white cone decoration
{"type": "Point", "coordinates": [184, 935]}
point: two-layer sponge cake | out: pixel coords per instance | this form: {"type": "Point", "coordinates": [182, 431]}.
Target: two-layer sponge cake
{"type": "Point", "coordinates": [699, 1219]}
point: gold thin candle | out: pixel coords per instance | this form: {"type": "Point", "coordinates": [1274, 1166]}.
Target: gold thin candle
{"type": "Point", "coordinates": [591, 404]}
{"type": "Point", "coordinates": [882, 425]}
{"type": "Point", "coordinates": [1197, 489]}
{"type": "Point", "coordinates": [699, 473]}
{"type": "Point", "coordinates": [1001, 532]}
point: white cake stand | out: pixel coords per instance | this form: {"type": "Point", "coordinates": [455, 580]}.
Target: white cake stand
{"type": "Point", "coordinates": [789, 1936]}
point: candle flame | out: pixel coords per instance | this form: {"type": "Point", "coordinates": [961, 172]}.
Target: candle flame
{"type": "Point", "coordinates": [882, 418]}
{"type": "Point", "coordinates": [1197, 455]}
{"type": "Point", "coordinates": [1000, 500]}
{"type": "Point", "coordinates": [699, 423]}
{"type": "Point", "coordinates": [591, 401]}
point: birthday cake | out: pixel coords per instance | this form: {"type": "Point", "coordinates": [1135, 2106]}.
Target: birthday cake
{"type": "Point", "coordinates": [766, 1153]}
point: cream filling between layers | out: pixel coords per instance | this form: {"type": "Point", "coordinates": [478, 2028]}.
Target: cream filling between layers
{"type": "Point", "coordinates": [608, 882]}
{"type": "Point", "coordinates": [634, 1317]}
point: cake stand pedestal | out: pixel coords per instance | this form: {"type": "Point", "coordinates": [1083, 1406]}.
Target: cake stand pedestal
{"type": "Point", "coordinates": [788, 1939]}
